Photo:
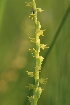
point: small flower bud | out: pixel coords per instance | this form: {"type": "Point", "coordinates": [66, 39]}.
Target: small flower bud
{"type": "Point", "coordinates": [39, 10]}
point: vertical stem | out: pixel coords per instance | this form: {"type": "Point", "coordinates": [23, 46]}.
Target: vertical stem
{"type": "Point", "coordinates": [36, 89]}
{"type": "Point", "coordinates": [36, 75]}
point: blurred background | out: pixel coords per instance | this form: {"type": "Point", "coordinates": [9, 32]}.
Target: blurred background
{"type": "Point", "coordinates": [16, 59]}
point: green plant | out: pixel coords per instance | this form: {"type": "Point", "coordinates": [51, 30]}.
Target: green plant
{"type": "Point", "coordinates": [37, 90]}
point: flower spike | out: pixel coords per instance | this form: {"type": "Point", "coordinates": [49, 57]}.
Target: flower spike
{"type": "Point", "coordinates": [37, 90]}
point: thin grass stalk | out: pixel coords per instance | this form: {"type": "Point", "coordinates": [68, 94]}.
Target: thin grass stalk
{"type": "Point", "coordinates": [37, 90]}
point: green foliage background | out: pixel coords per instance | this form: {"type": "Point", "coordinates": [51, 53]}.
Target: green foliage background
{"type": "Point", "coordinates": [15, 58]}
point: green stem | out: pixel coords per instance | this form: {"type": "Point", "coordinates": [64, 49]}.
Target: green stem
{"type": "Point", "coordinates": [36, 74]}
{"type": "Point", "coordinates": [36, 89]}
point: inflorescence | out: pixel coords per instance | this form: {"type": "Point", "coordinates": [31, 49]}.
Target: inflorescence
{"type": "Point", "coordinates": [37, 90]}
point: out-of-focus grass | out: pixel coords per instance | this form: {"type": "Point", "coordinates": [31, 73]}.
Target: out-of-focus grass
{"type": "Point", "coordinates": [2, 10]}
{"type": "Point", "coordinates": [15, 58]}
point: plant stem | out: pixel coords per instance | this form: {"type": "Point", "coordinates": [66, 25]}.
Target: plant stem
{"type": "Point", "coordinates": [36, 89]}
{"type": "Point", "coordinates": [36, 74]}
